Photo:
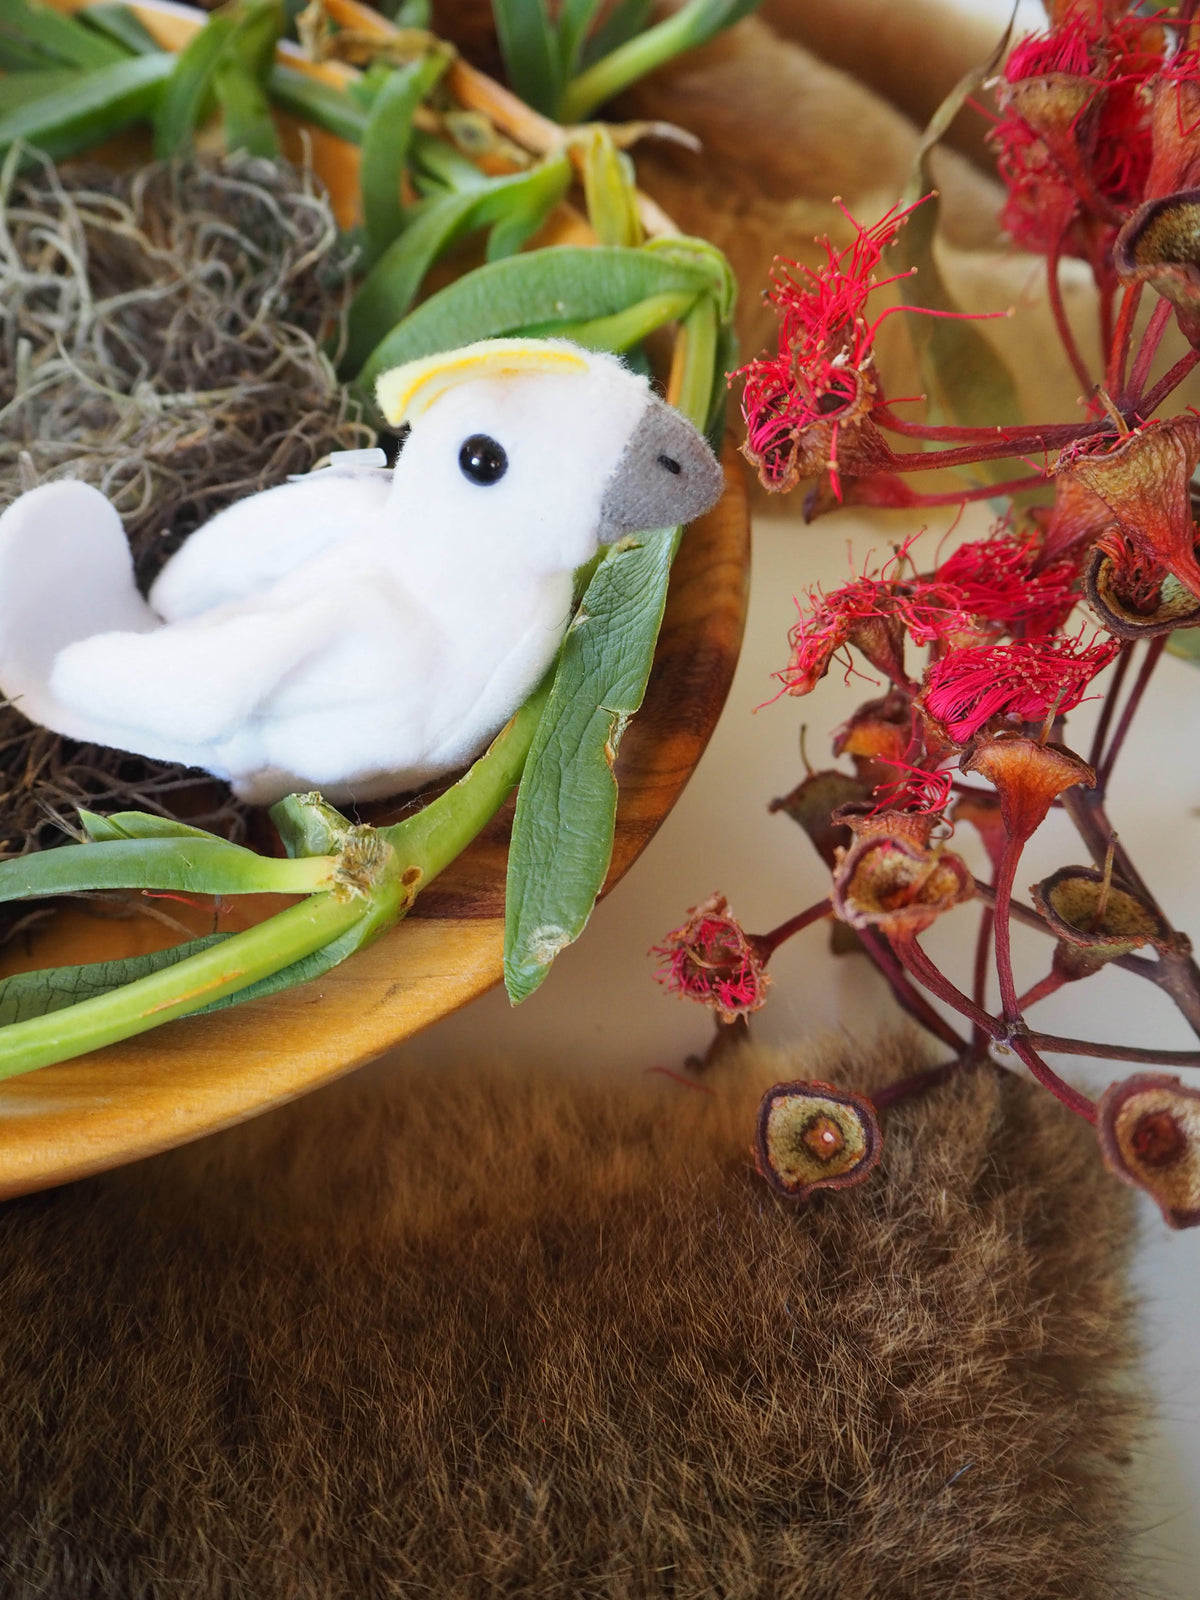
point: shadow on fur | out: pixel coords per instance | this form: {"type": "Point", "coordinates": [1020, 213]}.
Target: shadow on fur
{"type": "Point", "coordinates": [458, 1334]}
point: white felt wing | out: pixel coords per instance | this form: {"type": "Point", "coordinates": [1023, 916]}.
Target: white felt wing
{"type": "Point", "coordinates": [249, 546]}
{"type": "Point", "coordinates": [65, 572]}
{"type": "Point", "coordinates": [187, 686]}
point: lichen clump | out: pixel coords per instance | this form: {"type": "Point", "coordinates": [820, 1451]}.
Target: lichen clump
{"type": "Point", "coordinates": [166, 334]}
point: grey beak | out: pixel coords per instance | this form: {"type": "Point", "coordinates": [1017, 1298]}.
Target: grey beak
{"type": "Point", "coordinates": [667, 474]}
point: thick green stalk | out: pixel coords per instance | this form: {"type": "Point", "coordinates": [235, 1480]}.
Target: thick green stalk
{"type": "Point", "coordinates": [699, 357]}
{"type": "Point", "coordinates": [430, 840]}
{"type": "Point", "coordinates": [690, 26]}
{"type": "Point", "coordinates": [139, 1006]}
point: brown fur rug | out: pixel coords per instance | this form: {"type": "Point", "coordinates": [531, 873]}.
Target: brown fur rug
{"type": "Point", "coordinates": [480, 1334]}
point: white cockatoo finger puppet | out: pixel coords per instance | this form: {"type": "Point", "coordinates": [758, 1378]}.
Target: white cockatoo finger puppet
{"type": "Point", "coordinates": [359, 630]}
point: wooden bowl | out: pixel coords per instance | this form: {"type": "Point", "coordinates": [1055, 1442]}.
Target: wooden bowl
{"type": "Point", "coordinates": [196, 1075]}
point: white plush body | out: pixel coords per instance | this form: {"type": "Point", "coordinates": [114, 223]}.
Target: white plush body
{"type": "Point", "coordinates": [355, 632]}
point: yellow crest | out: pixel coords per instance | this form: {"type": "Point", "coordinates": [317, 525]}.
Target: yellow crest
{"type": "Point", "coordinates": [404, 393]}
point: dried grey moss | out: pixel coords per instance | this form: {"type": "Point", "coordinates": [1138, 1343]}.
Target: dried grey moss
{"type": "Point", "coordinates": [164, 335]}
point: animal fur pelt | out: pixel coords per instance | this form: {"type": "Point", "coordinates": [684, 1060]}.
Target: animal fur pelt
{"type": "Point", "coordinates": [492, 1333]}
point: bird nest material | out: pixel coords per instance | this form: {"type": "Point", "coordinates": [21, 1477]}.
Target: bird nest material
{"type": "Point", "coordinates": [165, 336]}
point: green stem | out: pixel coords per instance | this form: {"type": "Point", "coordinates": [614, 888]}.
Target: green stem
{"type": "Point", "coordinates": [139, 1006]}
{"type": "Point", "coordinates": [430, 840]}
{"type": "Point", "coordinates": [631, 61]}
{"type": "Point", "coordinates": [696, 355]}
{"type": "Point", "coordinates": [187, 865]}
{"type": "Point", "coordinates": [314, 101]}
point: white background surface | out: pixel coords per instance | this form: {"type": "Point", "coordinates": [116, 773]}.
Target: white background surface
{"type": "Point", "coordinates": [601, 1006]}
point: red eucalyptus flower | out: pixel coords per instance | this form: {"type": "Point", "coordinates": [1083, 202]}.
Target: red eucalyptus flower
{"type": "Point", "coordinates": [1028, 679]}
{"type": "Point", "coordinates": [1175, 122]}
{"type": "Point", "coordinates": [1076, 135]}
{"type": "Point", "coordinates": [999, 580]}
{"type": "Point", "coordinates": [806, 409]}
{"type": "Point", "coordinates": [918, 792]}
{"type": "Point", "coordinates": [709, 958]}
{"type": "Point", "coordinates": [875, 614]}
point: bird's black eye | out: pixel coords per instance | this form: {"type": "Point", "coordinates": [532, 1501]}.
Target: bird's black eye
{"type": "Point", "coordinates": [482, 460]}
{"type": "Point", "coordinates": [671, 464]}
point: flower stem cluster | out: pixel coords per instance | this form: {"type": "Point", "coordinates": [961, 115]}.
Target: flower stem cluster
{"type": "Point", "coordinates": [981, 657]}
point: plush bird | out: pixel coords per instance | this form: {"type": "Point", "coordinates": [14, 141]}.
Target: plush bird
{"type": "Point", "coordinates": [359, 630]}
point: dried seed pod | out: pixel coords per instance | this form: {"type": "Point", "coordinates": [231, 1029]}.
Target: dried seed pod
{"type": "Point", "coordinates": [876, 736]}
{"type": "Point", "coordinates": [1028, 777]}
{"type": "Point", "coordinates": [1149, 1132]}
{"type": "Point", "coordinates": [897, 884]}
{"type": "Point", "coordinates": [1134, 598]}
{"type": "Point", "coordinates": [1143, 477]}
{"type": "Point", "coordinates": [1096, 920]}
{"type": "Point", "coordinates": [1160, 245]}
{"type": "Point", "coordinates": [812, 1136]}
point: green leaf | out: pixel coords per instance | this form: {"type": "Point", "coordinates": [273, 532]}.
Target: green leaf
{"type": "Point", "coordinates": [692, 25]}
{"type": "Point", "coordinates": [140, 825]}
{"type": "Point", "coordinates": [518, 225]}
{"type": "Point", "coordinates": [624, 329]}
{"type": "Point", "coordinates": [189, 865]}
{"type": "Point", "coordinates": [566, 284]}
{"type": "Point", "coordinates": [314, 965]}
{"type": "Point", "coordinates": [188, 96]}
{"type": "Point", "coordinates": [75, 116]}
{"type": "Point", "coordinates": [16, 57]}
{"type": "Point", "coordinates": [37, 994]}
{"type": "Point", "coordinates": [61, 41]}
{"type": "Point", "coordinates": [392, 284]}
{"type": "Point", "coordinates": [200, 978]}
{"type": "Point", "coordinates": [386, 144]}
{"type": "Point", "coordinates": [566, 806]}
{"type": "Point", "coordinates": [334, 110]}
{"type": "Point", "coordinates": [19, 88]}
{"type": "Point", "coordinates": [243, 32]}
{"type": "Point", "coordinates": [438, 166]}
{"type": "Point", "coordinates": [574, 19]}
{"type": "Point", "coordinates": [608, 186]}
{"type": "Point", "coordinates": [967, 382]}
{"type": "Point", "coordinates": [624, 20]}
{"type": "Point", "coordinates": [118, 23]}
{"type": "Point", "coordinates": [245, 111]}
{"type": "Point", "coordinates": [530, 49]}
{"type": "Point", "coordinates": [240, 81]}
{"type": "Point", "coordinates": [703, 257]}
